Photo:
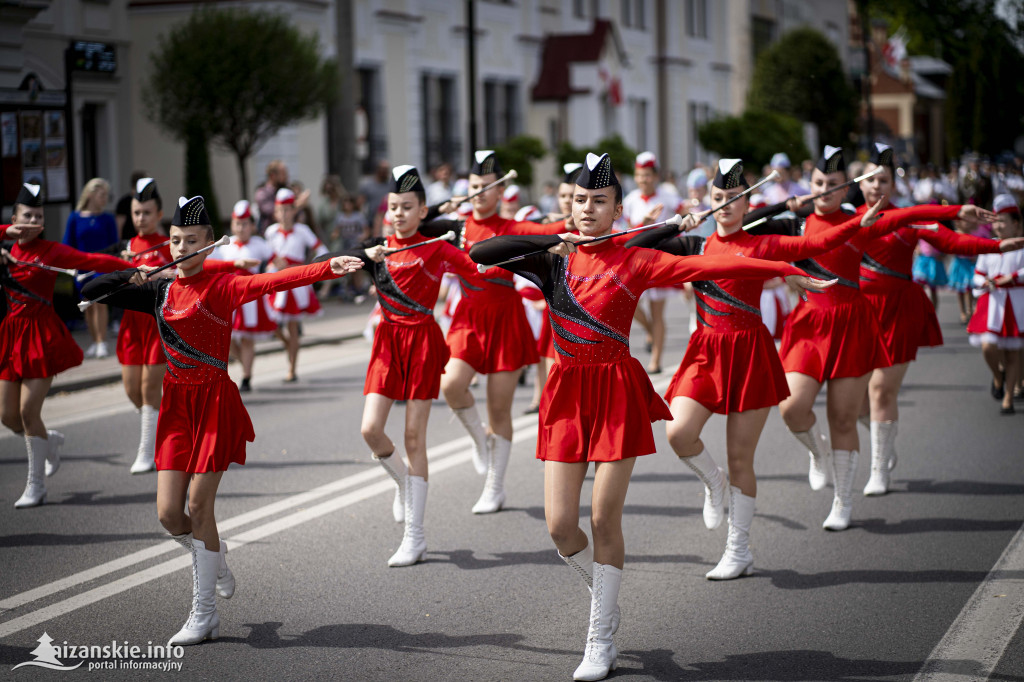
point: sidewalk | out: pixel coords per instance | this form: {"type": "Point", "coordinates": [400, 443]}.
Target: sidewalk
{"type": "Point", "coordinates": [340, 322]}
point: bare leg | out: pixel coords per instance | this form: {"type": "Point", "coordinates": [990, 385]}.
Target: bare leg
{"type": "Point", "coordinates": [152, 384]}
{"type": "Point", "coordinates": [845, 397]}
{"type": "Point", "coordinates": [292, 345]}
{"type": "Point", "coordinates": [657, 334]}
{"type": "Point", "coordinates": [131, 378]}
{"type": "Point", "coordinates": [417, 412]}
{"type": "Point", "coordinates": [201, 499]}
{"type": "Point", "coordinates": [562, 485]}
{"type": "Point", "coordinates": [742, 433]}
{"type": "Point", "coordinates": [455, 384]}
{"type": "Point", "coordinates": [993, 356]}
{"type": "Point", "coordinates": [688, 420]}
{"type": "Point", "coordinates": [883, 390]}
{"type": "Point", "coordinates": [501, 389]}
{"type": "Point", "coordinates": [96, 319]}
{"type": "Point", "coordinates": [798, 409]}
{"type": "Point", "coordinates": [246, 353]}
{"type": "Point", "coordinates": [1012, 363]}
{"type": "Point", "coordinates": [375, 417]}
{"type": "Point", "coordinates": [33, 393]}
{"type": "Point", "coordinates": [171, 492]}
{"type": "Point", "coordinates": [611, 481]}
{"type": "Point", "coordinates": [10, 401]}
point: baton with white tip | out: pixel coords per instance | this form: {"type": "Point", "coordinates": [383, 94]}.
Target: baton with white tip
{"type": "Point", "coordinates": [676, 220]}
{"type": "Point", "coordinates": [40, 266]}
{"type": "Point", "coordinates": [857, 179]}
{"type": "Point", "coordinates": [511, 175]}
{"type": "Point", "coordinates": [223, 241]}
{"type": "Point", "coordinates": [774, 175]}
{"type": "Point", "coordinates": [446, 237]}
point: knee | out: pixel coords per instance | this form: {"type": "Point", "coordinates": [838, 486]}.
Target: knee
{"type": "Point", "coordinates": [171, 518]}
{"type": "Point", "coordinates": [414, 442]}
{"type": "Point", "coordinates": [682, 439]}
{"type": "Point", "coordinates": [200, 510]}
{"type": "Point", "coordinates": [562, 529]}
{"type": "Point", "coordinates": [605, 527]}
{"type": "Point", "coordinates": [372, 432]}
{"type": "Point", "coordinates": [11, 418]}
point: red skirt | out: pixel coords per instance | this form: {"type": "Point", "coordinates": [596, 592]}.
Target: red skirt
{"type": "Point", "coordinates": [36, 347]}
{"type": "Point", "coordinates": [731, 371]}
{"type": "Point", "coordinates": [202, 427]}
{"type": "Point", "coordinates": [546, 340]}
{"type": "Point", "coordinates": [253, 319]}
{"type": "Point", "coordinates": [294, 304]}
{"type": "Point", "coordinates": [907, 321]}
{"type": "Point", "coordinates": [138, 342]}
{"type": "Point", "coordinates": [492, 338]}
{"type": "Point", "coordinates": [979, 323]}
{"type": "Point", "coordinates": [834, 342]}
{"type": "Point", "coordinates": [407, 361]}
{"type": "Point", "coordinates": [598, 412]}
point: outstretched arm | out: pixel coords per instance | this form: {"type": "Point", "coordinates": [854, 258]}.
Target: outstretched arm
{"type": "Point", "coordinates": [141, 298]}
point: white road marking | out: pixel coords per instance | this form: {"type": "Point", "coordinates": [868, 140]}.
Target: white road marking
{"type": "Point", "coordinates": [977, 639]}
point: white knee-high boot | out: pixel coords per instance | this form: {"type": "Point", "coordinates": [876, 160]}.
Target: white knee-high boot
{"type": "Point", "coordinates": [54, 439]}
{"type": "Point", "coordinates": [600, 653]}
{"type": "Point", "coordinates": [203, 621]}
{"type": "Point", "coordinates": [145, 457]}
{"type": "Point", "coordinates": [819, 451]}
{"type": "Point", "coordinates": [883, 457]}
{"type": "Point", "coordinates": [225, 578]}
{"type": "Point", "coordinates": [35, 487]}
{"type": "Point", "coordinates": [493, 496]}
{"type": "Point", "coordinates": [398, 472]}
{"type": "Point", "coordinates": [583, 563]}
{"type": "Point", "coordinates": [713, 478]}
{"type": "Point", "coordinates": [737, 559]}
{"type": "Point", "coordinates": [470, 419]}
{"type": "Point", "coordinates": [414, 541]}
{"type": "Point", "coordinates": [844, 468]}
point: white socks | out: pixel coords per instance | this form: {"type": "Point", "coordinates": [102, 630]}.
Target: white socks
{"type": "Point", "coordinates": [714, 480]}
{"type": "Point", "coordinates": [470, 419]}
{"type": "Point", "coordinates": [145, 458]}
{"type": "Point", "coordinates": [819, 451]}
{"type": "Point", "coordinates": [883, 457]}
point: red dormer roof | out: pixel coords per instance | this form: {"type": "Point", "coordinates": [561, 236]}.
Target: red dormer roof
{"type": "Point", "coordinates": [560, 50]}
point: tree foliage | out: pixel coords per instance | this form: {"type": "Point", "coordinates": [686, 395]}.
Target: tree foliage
{"type": "Point", "coordinates": [754, 137]}
{"type": "Point", "coordinates": [622, 155]}
{"type": "Point", "coordinates": [240, 75]}
{"type": "Point", "coordinates": [802, 76]}
{"type": "Point", "coordinates": [519, 153]}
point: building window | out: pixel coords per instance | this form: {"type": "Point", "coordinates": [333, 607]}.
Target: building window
{"type": "Point", "coordinates": [633, 14]}
{"type": "Point", "coordinates": [502, 117]}
{"type": "Point", "coordinates": [371, 103]}
{"type": "Point", "coordinates": [697, 18]}
{"type": "Point", "coordinates": [700, 113]}
{"type": "Point", "coordinates": [441, 141]}
{"type": "Point", "coordinates": [639, 110]}
{"type": "Point", "coordinates": [586, 9]}
{"type": "Point", "coordinates": [762, 34]}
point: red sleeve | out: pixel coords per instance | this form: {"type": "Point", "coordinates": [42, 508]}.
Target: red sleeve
{"type": "Point", "coordinates": [948, 241]}
{"type": "Point", "coordinates": [228, 266]}
{"type": "Point", "coordinates": [3, 229]}
{"type": "Point", "coordinates": [784, 247]}
{"type": "Point", "coordinates": [241, 290]}
{"type": "Point", "coordinates": [665, 270]}
{"type": "Point", "coordinates": [459, 263]}
{"type": "Point", "coordinates": [63, 256]}
{"type": "Point", "coordinates": [924, 212]}
{"type": "Point", "coordinates": [527, 227]}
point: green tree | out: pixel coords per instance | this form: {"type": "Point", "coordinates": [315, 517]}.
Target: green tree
{"type": "Point", "coordinates": [519, 153]}
{"type": "Point", "coordinates": [754, 136]}
{"type": "Point", "coordinates": [802, 76]}
{"type": "Point", "coordinates": [198, 179]}
{"type": "Point", "coordinates": [238, 75]}
{"type": "Point", "coordinates": [622, 155]}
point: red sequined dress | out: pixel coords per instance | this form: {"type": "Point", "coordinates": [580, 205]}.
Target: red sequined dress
{"type": "Point", "coordinates": [138, 341]}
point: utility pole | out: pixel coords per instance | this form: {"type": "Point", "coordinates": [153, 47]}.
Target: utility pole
{"type": "Point", "coordinates": [865, 28]}
{"type": "Point", "coordinates": [341, 143]}
{"type": "Point", "coordinates": [471, 74]}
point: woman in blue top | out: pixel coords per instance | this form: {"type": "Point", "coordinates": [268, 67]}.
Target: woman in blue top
{"type": "Point", "coordinates": [90, 229]}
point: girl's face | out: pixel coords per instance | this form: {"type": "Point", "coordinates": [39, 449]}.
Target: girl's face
{"type": "Point", "coordinates": [731, 216]}
{"type": "Point", "coordinates": [646, 180]}
{"type": "Point", "coordinates": [406, 212]}
{"type": "Point", "coordinates": [146, 216]}
{"type": "Point", "coordinates": [594, 210]}
{"type": "Point", "coordinates": [27, 215]}
{"type": "Point", "coordinates": [486, 204]}
{"type": "Point", "coordinates": [285, 214]}
{"type": "Point", "coordinates": [1007, 225]}
{"type": "Point", "coordinates": [348, 205]}
{"type": "Point", "coordinates": [877, 186]}
{"type": "Point", "coordinates": [242, 228]}
{"type": "Point", "coordinates": [186, 241]}
{"type": "Point", "coordinates": [565, 191]}
{"type": "Point", "coordinates": [98, 200]}
{"type": "Point", "coordinates": [822, 182]}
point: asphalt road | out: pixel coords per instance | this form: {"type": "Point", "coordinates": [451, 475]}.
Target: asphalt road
{"type": "Point", "coordinates": [308, 520]}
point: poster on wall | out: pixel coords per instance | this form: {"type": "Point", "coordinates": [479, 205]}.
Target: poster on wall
{"type": "Point", "coordinates": [8, 134]}
{"type": "Point", "coordinates": [57, 184]}
{"type": "Point", "coordinates": [54, 124]}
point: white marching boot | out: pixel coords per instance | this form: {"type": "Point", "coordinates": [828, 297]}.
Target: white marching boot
{"type": "Point", "coordinates": [820, 454]}
{"type": "Point", "coordinates": [844, 468]}
{"type": "Point", "coordinates": [55, 439]}
{"type": "Point", "coordinates": [225, 578]}
{"type": "Point", "coordinates": [470, 419]}
{"type": "Point", "coordinates": [583, 562]}
{"type": "Point", "coordinates": [737, 559]}
{"type": "Point", "coordinates": [414, 542]}
{"type": "Point", "coordinates": [493, 496]}
{"type": "Point", "coordinates": [883, 457]}
{"type": "Point", "coordinates": [146, 456]}
{"type": "Point", "coordinates": [396, 469]}
{"type": "Point", "coordinates": [203, 621]}
{"type": "Point", "coordinates": [35, 487]}
{"type": "Point", "coordinates": [714, 480]}
{"type": "Point", "coordinates": [600, 654]}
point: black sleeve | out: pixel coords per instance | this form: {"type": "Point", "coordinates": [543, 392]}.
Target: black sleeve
{"type": "Point", "coordinates": [497, 249]}
{"type": "Point", "coordinates": [432, 229]}
{"type": "Point", "coordinates": [359, 253]}
{"type": "Point", "coordinates": [652, 239]}
{"type": "Point", "coordinates": [139, 298]}
{"type": "Point", "coordinates": [765, 212]}
{"type": "Point", "coordinates": [789, 227]}
{"type": "Point", "coordinates": [433, 212]}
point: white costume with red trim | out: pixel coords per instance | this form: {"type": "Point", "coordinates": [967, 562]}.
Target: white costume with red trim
{"type": "Point", "coordinates": [292, 245]}
{"type": "Point", "coordinates": [998, 316]}
{"type": "Point", "coordinates": [256, 318]}
{"type": "Point", "coordinates": [635, 206]}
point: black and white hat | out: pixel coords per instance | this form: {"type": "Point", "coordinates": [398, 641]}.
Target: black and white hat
{"type": "Point", "coordinates": [571, 171]}
{"type": "Point", "coordinates": [30, 195]}
{"type": "Point", "coordinates": [882, 155]}
{"type": "Point", "coordinates": [485, 161]}
{"type": "Point", "coordinates": [729, 174]}
{"type": "Point", "coordinates": [405, 179]}
{"type": "Point", "coordinates": [597, 173]}
{"type": "Point", "coordinates": [831, 160]}
{"type": "Point", "coordinates": [145, 190]}
{"type": "Point", "coordinates": [190, 212]}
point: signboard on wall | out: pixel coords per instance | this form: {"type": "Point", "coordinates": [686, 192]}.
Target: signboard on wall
{"type": "Point", "coordinates": [95, 57]}
{"type": "Point", "coordinates": [33, 148]}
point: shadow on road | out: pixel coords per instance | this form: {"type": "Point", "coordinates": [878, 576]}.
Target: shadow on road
{"type": "Point", "coordinates": [787, 579]}
{"type": "Point", "coordinates": [54, 539]}
{"type": "Point", "coordinates": [928, 485]}
{"type": "Point", "coordinates": [938, 525]}
{"type": "Point", "coordinates": [465, 559]}
{"type": "Point", "coordinates": [113, 459]}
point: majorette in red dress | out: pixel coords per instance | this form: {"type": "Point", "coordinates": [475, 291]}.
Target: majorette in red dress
{"type": "Point", "coordinates": [598, 402]}
{"type": "Point", "coordinates": [489, 330]}
{"type": "Point", "coordinates": [203, 424]}
{"type": "Point", "coordinates": [731, 364]}
{"type": "Point", "coordinates": [906, 316]}
{"type": "Point", "coordinates": [409, 351]}
{"type": "Point", "coordinates": [255, 318]}
{"type": "Point", "coordinates": [34, 343]}
{"type": "Point", "coordinates": [138, 341]}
